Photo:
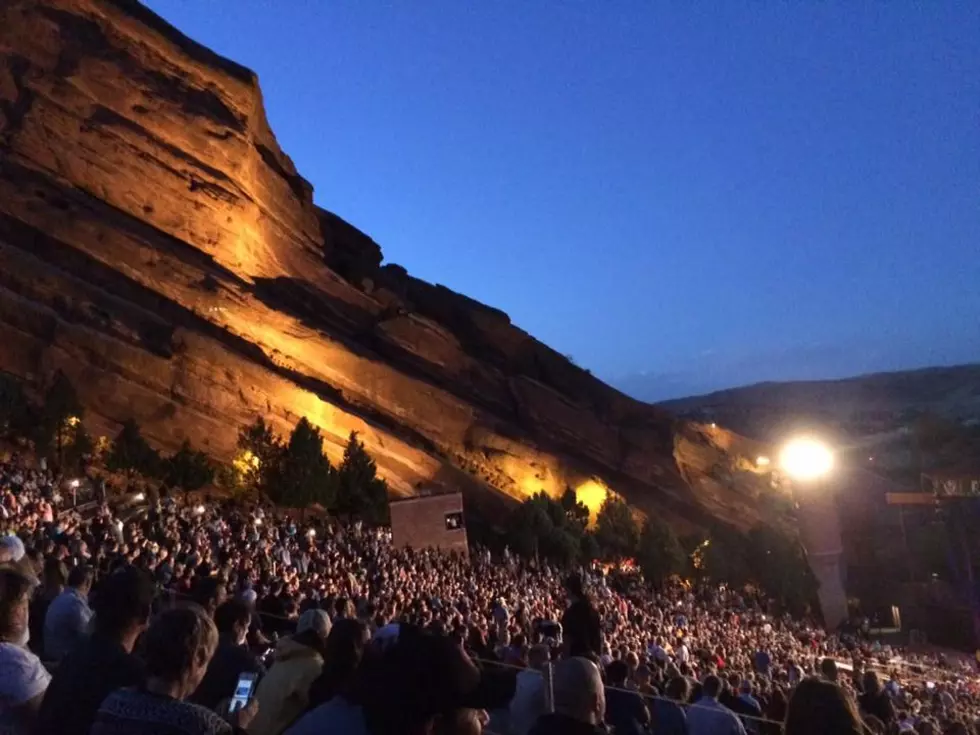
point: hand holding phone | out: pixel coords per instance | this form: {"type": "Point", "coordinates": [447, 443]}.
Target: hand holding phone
{"type": "Point", "coordinates": [243, 691]}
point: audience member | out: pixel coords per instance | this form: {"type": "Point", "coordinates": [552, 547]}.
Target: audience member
{"type": "Point", "coordinates": [178, 646]}
{"type": "Point", "coordinates": [67, 621]}
{"type": "Point", "coordinates": [23, 678]}
{"type": "Point", "coordinates": [579, 700]}
{"type": "Point", "coordinates": [283, 693]}
{"type": "Point", "coordinates": [820, 707]}
{"type": "Point", "coordinates": [105, 661]}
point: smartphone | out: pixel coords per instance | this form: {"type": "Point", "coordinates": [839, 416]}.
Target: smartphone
{"type": "Point", "coordinates": [243, 691]}
{"type": "Point", "coordinates": [930, 685]}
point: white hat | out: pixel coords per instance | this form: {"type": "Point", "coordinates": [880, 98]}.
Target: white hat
{"type": "Point", "coordinates": [315, 620]}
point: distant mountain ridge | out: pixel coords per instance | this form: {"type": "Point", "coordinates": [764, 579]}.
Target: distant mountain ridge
{"type": "Point", "coordinates": [862, 404]}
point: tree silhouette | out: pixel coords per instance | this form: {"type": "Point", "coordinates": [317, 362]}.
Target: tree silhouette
{"type": "Point", "coordinates": [188, 469]}
{"type": "Point", "coordinates": [304, 474]}
{"type": "Point", "coordinates": [359, 490]}
{"type": "Point", "coordinates": [616, 531]}
{"type": "Point", "coordinates": [660, 554]}
{"type": "Point", "coordinates": [15, 409]}
{"type": "Point", "coordinates": [60, 412]}
{"type": "Point", "coordinates": [131, 452]}
{"type": "Point", "coordinates": [541, 526]}
{"type": "Point", "coordinates": [260, 453]}
{"type": "Point", "coordinates": [77, 446]}
{"type": "Point", "coordinates": [576, 513]}
{"type": "Point", "coordinates": [778, 563]}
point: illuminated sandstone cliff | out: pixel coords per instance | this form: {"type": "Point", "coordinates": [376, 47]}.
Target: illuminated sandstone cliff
{"type": "Point", "coordinates": [159, 247]}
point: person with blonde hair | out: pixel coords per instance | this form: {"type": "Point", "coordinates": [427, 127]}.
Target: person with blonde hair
{"type": "Point", "coordinates": [177, 648]}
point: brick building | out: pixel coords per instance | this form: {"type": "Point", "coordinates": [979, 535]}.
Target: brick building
{"type": "Point", "coordinates": [429, 521]}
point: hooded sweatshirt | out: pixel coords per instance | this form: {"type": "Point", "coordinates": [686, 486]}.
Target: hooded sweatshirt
{"type": "Point", "coordinates": [283, 692]}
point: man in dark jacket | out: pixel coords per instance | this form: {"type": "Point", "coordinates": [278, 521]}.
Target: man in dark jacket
{"type": "Point", "coordinates": [579, 700]}
{"type": "Point", "coordinates": [104, 662]}
{"type": "Point", "coordinates": [580, 623]}
{"type": "Point", "coordinates": [231, 658]}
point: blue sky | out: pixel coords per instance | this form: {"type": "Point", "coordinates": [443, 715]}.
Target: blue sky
{"type": "Point", "coordinates": [701, 194]}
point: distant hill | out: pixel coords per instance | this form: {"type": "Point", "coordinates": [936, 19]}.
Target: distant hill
{"type": "Point", "coordinates": [862, 405]}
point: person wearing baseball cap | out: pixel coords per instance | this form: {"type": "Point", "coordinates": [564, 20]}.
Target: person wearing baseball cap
{"type": "Point", "coordinates": [23, 678]}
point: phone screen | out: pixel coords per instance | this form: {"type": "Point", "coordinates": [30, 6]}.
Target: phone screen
{"type": "Point", "coordinates": [243, 691]}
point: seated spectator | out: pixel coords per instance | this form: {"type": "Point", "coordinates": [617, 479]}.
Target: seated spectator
{"type": "Point", "coordinates": [23, 678]}
{"type": "Point", "coordinates": [820, 707]}
{"type": "Point", "coordinates": [232, 657]}
{"type": "Point", "coordinates": [67, 621]}
{"type": "Point", "coordinates": [625, 711]}
{"type": "Point", "coordinates": [335, 699]}
{"type": "Point", "coordinates": [178, 646]}
{"type": "Point", "coordinates": [104, 662]}
{"type": "Point", "coordinates": [707, 716]}
{"type": "Point", "coordinates": [580, 702]}
{"type": "Point", "coordinates": [344, 650]}
{"type": "Point", "coordinates": [668, 715]}
{"type": "Point", "coordinates": [209, 593]}
{"type": "Point", "coordinates": [283, 693]}
{"type": "Point", "coordinates": [425, 683]}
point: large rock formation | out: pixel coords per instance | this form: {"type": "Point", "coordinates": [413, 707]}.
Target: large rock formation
{"type": "Point", "coordinates": [158, 246]}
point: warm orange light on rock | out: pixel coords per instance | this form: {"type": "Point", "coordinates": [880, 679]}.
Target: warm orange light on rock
{"type": "Point", "coordinates": [592, 494]}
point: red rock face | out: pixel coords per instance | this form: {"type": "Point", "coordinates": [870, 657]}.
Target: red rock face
{"type": "Point", "coordinates": [159, 247]}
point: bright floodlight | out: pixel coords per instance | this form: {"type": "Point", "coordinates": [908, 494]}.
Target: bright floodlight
{"type": "Point", "coordinates": [806, 459]}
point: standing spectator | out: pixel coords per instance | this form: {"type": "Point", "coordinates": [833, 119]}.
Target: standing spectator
{"type": "Point", "coordinates": [67, 621]}
{"type": "Point", "coordinates": [828, 667]}
{"type": "Point", "coordinates": [105, 661]}
{"type": "Point", "coordinates": [23, 678]}
{"type": "Point", "coordinates": [874, 700]}
{"type": "Point", "coordinates": [820, 707]}
{"type": "Point", "coordinates": [580, 623]}
{"type": "Point", "coordinates": [53, 580]}
{"type": "Point", "coordinates": [178, 646]}
{"type": "Point", "coordinates": [580, 702]}
{"type": "Point", "coordinates": [707, 716]}
{"type": "Point", "coordinates": [283, 694]}
{"type": "Point", "coordinates": [232, 657]}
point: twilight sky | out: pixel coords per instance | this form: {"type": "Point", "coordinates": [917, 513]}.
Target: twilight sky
{"type": "Point", "coordinates": [682, 196]}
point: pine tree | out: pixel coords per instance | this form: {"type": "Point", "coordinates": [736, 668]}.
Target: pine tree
{"type": "Point", "coordinates": [260, 454]}
{"type": "Point", "coordinates": [189, 469]}
{"type": "Point", "coordinates": [360, 491]}
{"type": "Point", "coordinates": [77, 446]}
{"type": "Point", "coordinates": [131, 452]}
{"type": "Point", "coordinates": [576, 513]}
{"type": "Point", "coordinates": [304, 475]}
{"type": "Point", "coordinates": [616, 531]}
{"type": "Point", "coordinates": [59, 414]}
{"type": "Point", "coordinates": [660, 554]}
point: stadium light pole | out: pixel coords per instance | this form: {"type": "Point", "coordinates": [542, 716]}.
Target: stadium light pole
{"type": "Point", "coordinates": [809, 462]}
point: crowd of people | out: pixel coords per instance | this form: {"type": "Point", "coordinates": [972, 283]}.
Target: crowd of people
{"type": "Point", "coordinates": [151, 620]}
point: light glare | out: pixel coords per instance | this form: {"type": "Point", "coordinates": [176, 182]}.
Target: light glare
{"type": "Point", "coordinates": [806, 459]}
